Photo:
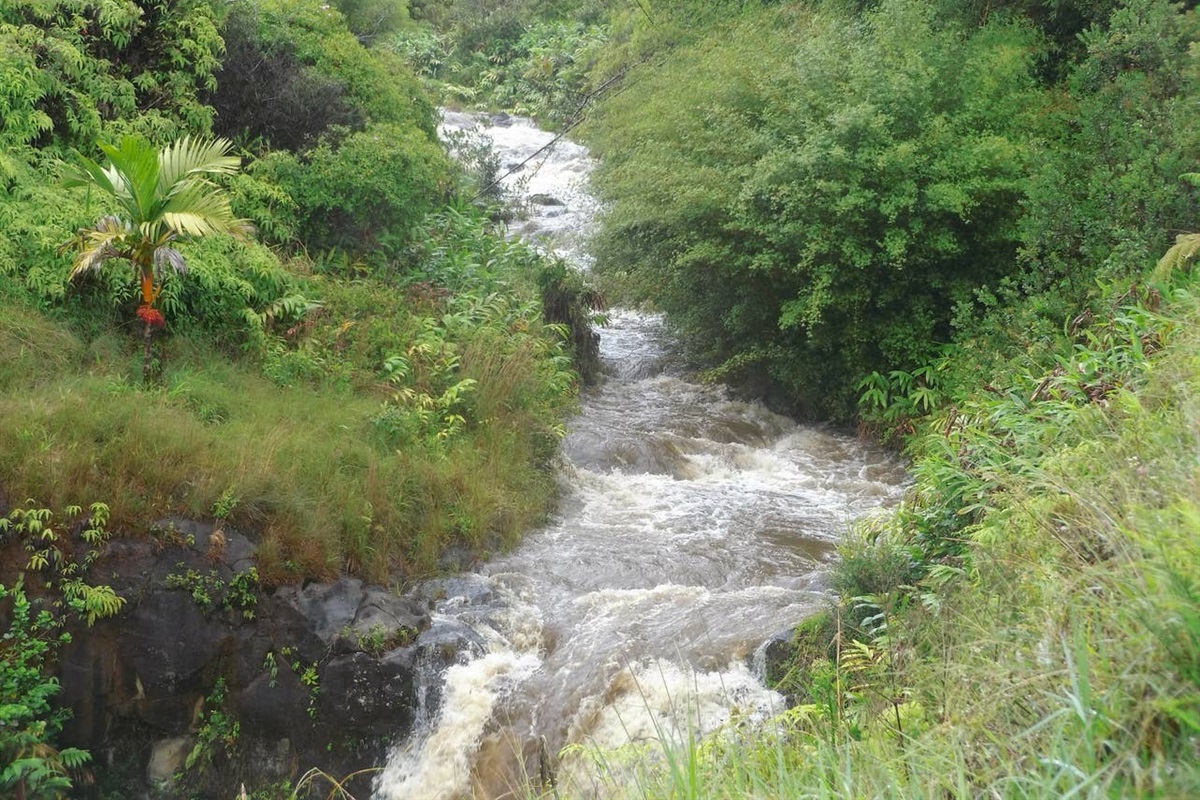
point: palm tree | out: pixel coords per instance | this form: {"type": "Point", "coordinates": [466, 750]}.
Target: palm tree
{"type": "Point", "coordinates": [164, 196]}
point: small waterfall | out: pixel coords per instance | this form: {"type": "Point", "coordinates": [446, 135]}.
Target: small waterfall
{"type": "Point", "coordinates": [436, 764]}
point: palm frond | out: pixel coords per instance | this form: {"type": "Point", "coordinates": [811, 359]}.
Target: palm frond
{"type": "Point", "coordinates": [98, 244]}
{"type": "Point", "coordinates": [108, 179]}
{"type": "Point", "coordinates": [199, 209]}
{"type": "Point", "coordinates": [136, 161]}
{"type": "Point", "coordinates": [168, 256]}
{"type": "Point", "coordinates": [189, 157]}
{"type": "Point", "coordinates": [88, 173]}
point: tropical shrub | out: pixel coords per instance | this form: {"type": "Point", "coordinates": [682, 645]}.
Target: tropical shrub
{"type": "Point", "coordinates": [71, 67]}
{"type": "Point", "coordinates": [1107, 192]}
{"type": "Point", "coordinates": [367, 192]}
{"type": "Point", "coordinates": [531, 59]}
{"type": "Point", "coordinates": [267, 97]}
{"type": "Point", "coordinates": [371, 19]}
{"type": "Point", "coordinates": [376, 83]}
{"type": "Point", "coordinates": [33, 765]}
{"type": "Point", "coordinates": [879, 182]}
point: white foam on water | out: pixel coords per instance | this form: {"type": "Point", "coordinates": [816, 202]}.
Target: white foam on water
{"type": "Point", "coordinates": [437, 766]}
{"type": "Point", "coordinates": [692, 526]}
{"type": "Point", "coordinates": [654, 705]}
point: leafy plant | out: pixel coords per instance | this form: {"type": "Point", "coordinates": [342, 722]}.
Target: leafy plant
{"type": "Point", "coordinates": [55, 557]}
{"type": "Point", "coordinates": [238, 594]}
{"type": "Point", "coordinates": [363, 193]}
{"type": "Point", "coordinates": [217, 731]}
{"type": "Point", "coordinates": [34, 767]}
{"type": "Point", "coordinates": [894, 401]}
{"type": "Point", "coordinates": [310, 678]}
{"type": "Point", "coordinates": [69, 69]}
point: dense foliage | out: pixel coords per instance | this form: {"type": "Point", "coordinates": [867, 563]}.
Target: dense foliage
{"type": "Point", "coordinates": [288, 52]}
{"type": "Point", "coordinates": [535, 57]}
{"type": "Point", "coordinates": [890, 189]}
{"type": "Point", "coordinates": [421, 368]}
{"type": "Point", "coordinates": [56, 561]}
{"type": "Point", "coordinates": [72, 68]}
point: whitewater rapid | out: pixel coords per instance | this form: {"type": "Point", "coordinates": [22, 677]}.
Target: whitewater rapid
{"type": "Point", "coordinates": [692, 527]}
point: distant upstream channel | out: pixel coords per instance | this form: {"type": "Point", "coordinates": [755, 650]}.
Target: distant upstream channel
{"type": "Point", "coordinates": [692, 527]}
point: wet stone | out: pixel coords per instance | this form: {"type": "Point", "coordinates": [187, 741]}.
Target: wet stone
{"type": "Point", "coordinates": [469, 589]}
{"type": "Point", "coordinates": [323, 674]}
{"type": "Point", "coordinates": [167, 757]}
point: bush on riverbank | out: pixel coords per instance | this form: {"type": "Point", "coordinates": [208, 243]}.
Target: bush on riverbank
{"type": "Point", "coordinates": [817, 200]}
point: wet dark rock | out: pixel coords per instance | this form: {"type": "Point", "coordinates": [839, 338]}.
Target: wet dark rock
{"type": "Point", "coordinates": [366, 694]}
{"type": "Point", "coordinates": [382, 622]}
{"type": "Point", "coordinates": [448, 642]}
{"type": "Point", "coordinates": [217, 540]}
{"type": "Point", "coordinates": [321, 675]}
{"type": "Point", "coordinates": [544, 200]}
{"type": "Point", "coordinates": [275, 706]}
{"type": "Point", "coordinates": [458, 559]}
{"type": "Point", "coordinates": [501, 120]}
{"type": "Point", "coordinates": [328, 607]}
{"type": "Point", "coordinates": [469, 589]}
{"type": "Point", "coordinates": [784, 659]}
{"type": "Point", "coordinates": [167, 757]}
{"type": "Point", "coordinates": [774, 656]}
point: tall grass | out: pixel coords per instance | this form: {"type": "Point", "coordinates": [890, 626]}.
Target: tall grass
{"type": "Point", "coordinates": [1045, 642]}
{"type": "Point", "coordinates": [385, 423]}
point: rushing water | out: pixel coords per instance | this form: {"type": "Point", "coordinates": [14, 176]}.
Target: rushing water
{"type": "Point", "coordinates": [692, 527]}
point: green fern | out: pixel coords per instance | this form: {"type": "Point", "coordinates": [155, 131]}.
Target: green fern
{"type": "Point", "coordinates": [1179, 258]}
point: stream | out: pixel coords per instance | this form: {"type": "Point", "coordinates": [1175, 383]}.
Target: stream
{"type": "Point", "coordinates": [692, 527]}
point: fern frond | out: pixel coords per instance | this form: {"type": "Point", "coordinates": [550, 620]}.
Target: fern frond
{"type": "Point", "coordinates": [1180, 257]}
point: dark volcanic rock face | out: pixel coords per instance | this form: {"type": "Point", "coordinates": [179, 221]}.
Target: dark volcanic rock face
{"type": "Point", "coordinates": [320, 676]}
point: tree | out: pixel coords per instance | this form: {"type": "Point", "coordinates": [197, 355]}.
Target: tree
{"type": "Point", "coordinates": [164, 197]}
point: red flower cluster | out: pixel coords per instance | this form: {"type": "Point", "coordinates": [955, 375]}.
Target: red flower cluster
{"type": "Point", "coordinates": [151, 316]}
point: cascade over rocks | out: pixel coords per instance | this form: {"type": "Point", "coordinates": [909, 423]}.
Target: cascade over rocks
{"type": "Point", "coordinates": [326, 675]}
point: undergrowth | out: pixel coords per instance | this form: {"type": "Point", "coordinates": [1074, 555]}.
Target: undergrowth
{"type": "Point", "coordinates": [368, 424]}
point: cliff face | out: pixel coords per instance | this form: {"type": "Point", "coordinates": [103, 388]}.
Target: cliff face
{"type": "Point", "coordinates": [208, 681]}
